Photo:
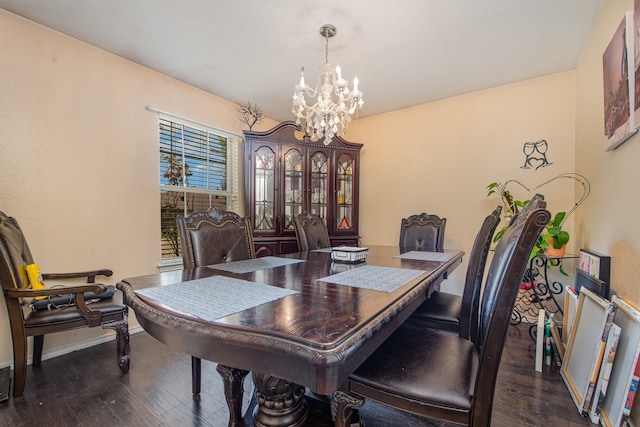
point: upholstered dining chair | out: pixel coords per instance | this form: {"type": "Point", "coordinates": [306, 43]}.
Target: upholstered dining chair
{"type": "Point", "coordinates": [15, 256]}
{"type": "Point", "coordinates": [424, 232]}
{"type": "Point", "coordinates": [311, 232]}
{"type": "Point", "coordinates": [451, 312]}
{"type": "Point", "coordinates": [439, 375]}
{"type": "Point", "coordinates": [212, 237]}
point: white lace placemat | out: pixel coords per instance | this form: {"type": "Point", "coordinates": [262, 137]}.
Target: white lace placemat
{"type": "Point", "coordinates": [255, 264]}
{"type": "Point", "coordinates": [214, 297]}
{"type": "Point", "coordinates": [426, 256]}
{"type": "Point", "coordinates": [376, 278]}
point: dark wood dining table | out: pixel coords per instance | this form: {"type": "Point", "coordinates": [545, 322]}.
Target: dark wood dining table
{"type": "Point", "coordinates": [303, 320]}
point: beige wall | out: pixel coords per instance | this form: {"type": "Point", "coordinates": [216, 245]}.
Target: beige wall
{"type": "Point", "coordinates": [439, 158]}
{"type": "Point", "coordinates": [609, 221]}
{"type": "Point", "coordinates": [79, 155]}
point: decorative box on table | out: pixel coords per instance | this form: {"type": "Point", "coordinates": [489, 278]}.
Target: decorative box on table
{"type": "Point", "coordinates": [349, 254]}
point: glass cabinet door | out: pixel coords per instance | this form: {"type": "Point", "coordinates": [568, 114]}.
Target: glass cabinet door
{"type": "Point", "coordinates": [344, 199]}
{"type": "Point", "coordinates": [287, 174]}
{"type": "Point", "coordinates": [319, 184]}
{"type": "Point", "coordinates": [293, 186]}
{"type": "Point", "coordinates": [264, 188]}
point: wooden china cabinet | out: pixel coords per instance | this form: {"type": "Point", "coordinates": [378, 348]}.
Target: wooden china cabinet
{"type": "Point", "coordinates": [286, 174]}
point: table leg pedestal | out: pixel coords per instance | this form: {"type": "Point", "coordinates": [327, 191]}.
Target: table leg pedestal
{"type": "Point", "coordinates": [280, 403]}
{"type": "Point", "coordinates": [233, 390]}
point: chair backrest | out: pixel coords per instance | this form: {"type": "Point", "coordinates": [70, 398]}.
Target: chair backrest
{"type": "Point", "coordinates": [14, 258]}
{"type": "Point", "coordinates": [422, 232]}
{"type": "Point", "coordinates": [498, 299]}
{"type": "Point", "coordinates": [214, 236]}
{"type": "Point", "coordinates": [522, 213]}
{"type": "Point", "coordinates": [311, 232]}
{"type": "Point", "coordinates": [14, 254]}
{"type": "Point", "coordinates": [469, 311]}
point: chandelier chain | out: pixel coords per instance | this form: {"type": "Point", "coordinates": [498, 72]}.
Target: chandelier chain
{"type": "Point", "coordinates": [326, 49]}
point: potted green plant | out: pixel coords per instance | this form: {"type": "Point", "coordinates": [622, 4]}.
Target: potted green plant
{"type": "Point", "coordinates": [555, 237]}
{"type": "Point", "coordinates": [552, 243]}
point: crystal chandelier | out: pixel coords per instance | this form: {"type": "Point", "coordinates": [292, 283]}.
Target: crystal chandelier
{"type": "Point", "coordinates": [335, 103]}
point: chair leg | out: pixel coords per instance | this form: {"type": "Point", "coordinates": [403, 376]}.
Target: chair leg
{"type": "Point", "coordinates": [342, 412]}
{"type": "Point", "coordinates": [122, 342]}
{"type": "Point", "coordinates": [233, 390]}
{"type": "Point", "coordinates": [19, 366]}
{"type": "Point", "coordinates": [38, 344]}
{"type": "Point", "coordinates": [196, 376]}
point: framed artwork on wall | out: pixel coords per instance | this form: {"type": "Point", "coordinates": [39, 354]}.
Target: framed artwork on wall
{"type": "Point", "coordinates": [618, 63]}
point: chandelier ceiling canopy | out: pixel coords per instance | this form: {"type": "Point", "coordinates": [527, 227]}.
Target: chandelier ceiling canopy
{"type": "Point", "coordinates": [334, 103]}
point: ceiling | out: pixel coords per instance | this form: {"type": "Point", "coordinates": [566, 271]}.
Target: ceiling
{"type": "Point", "coordinates": [404, 52]}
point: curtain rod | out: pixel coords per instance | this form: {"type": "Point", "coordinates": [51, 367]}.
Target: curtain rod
{"type": "Point", "coordinates": [175, 116]}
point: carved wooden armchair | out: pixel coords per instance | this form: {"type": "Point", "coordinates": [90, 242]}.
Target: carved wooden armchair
{"type": "Point", "coordinates": [422, 232]}
{"type": "Point", "coordinates": [207, 238]}
{"type": "Point", "coordinates": [439, 375]}
{"type": "Point", "coordinates": [24, 322]}
{"type": "Point", "coordinates": [311, 232]}
{"type": "Point", "coordinates": [450, 312]}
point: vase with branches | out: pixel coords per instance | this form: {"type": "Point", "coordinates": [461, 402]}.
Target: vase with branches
{"type": "Point", "coordinates": [510, 205]}
{"type": "Point", "coordinates": [250, 114]}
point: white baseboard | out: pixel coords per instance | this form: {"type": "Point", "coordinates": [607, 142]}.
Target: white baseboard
{"type": "Point", "coordinates": [75, 346]}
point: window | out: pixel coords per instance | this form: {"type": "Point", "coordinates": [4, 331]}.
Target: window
{"type": "Point", "coordinates": [197, 171]}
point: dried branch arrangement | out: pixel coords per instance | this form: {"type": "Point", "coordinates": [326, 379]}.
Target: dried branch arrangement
{"type": "Point", "coordinates": [250, 114]}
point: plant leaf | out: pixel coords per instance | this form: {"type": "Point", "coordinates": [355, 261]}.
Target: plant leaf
{"type": "Point", "coordinates": [561, 239]}
{"type": "Point", "coordinates": [557, 220]}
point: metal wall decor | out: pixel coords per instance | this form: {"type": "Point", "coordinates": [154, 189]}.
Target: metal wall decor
{"type": "Point", "coordinates": [535, 154]}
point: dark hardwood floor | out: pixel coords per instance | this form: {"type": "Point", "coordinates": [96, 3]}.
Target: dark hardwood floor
{"type": "Point", "coordinates": [86, 388]}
